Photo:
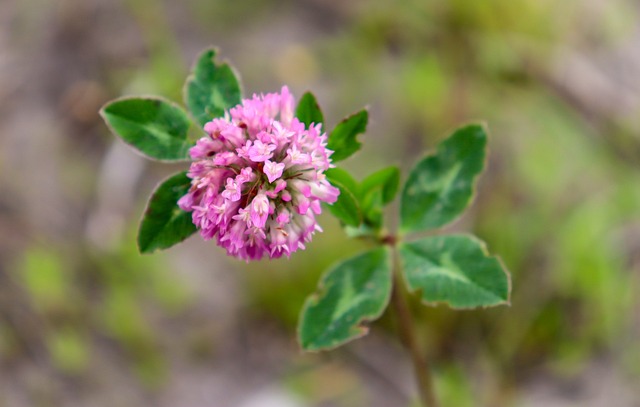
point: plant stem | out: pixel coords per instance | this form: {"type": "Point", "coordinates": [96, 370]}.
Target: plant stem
{"type": "Point", "coordinates": [408, 336]}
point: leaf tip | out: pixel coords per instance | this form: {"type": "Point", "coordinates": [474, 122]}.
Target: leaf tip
{"type": "Point", "coordinates": [143, 246]}
{"type": "Point", "coordinates": [102, 109]}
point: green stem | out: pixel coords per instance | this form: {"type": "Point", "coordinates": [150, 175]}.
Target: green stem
{"type": "Point", "coordinates": [408, 336]}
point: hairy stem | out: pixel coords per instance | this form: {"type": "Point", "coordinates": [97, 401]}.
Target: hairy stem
{"type": "Point", "coordinates": [408, 336]}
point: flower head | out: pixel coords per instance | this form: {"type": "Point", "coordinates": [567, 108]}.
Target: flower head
{"type": "Point", "coordinates": [257, 179]}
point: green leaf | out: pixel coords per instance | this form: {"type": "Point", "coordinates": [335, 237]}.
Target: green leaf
{"type": "Point", "coordinates": [355, 291]}
{"type": "Point", "coordinates": [342, 177]}
{"type": "Point", "coordinates": [342, 139]}
{"type": "Point", "coordinates": [308, 110]}
{"type": "Point", "coordinates": [386, 180]}
{"type": "Point", "coordinates": [155, 127]}
{"type": "Point", "coordinates": [442, 184]}
{"type": "Point", "coordinates": [364, 230]}
{"type": "Point", "coordinates": [346, 207]}
{"type": "Point", "coordinates": [377, 190]}
{"type": "Point", "coordinates": [211, 88]}
{"type": "Point", "coordinates": [456, 270]}
{"type": "Point", "coordinates": [373, 209]}
{"type": "Point", "coordinates": [164, 224]}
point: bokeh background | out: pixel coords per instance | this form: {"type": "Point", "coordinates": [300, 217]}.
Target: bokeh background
{"type": "Point", "coordinates": [86, 321]}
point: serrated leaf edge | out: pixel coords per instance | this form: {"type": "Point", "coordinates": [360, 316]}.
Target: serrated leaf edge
{"type": "Point", "coordinates": [102, 114]}
{"type": "Point", "coordinates": [366, 111]}
{"type": "Point", "coordinates": [362, 324]}
{"type": "Point", "coordinates": [144, 213]}
{"type": "Point", "coordinates": [192, 75]}
{"type": "Point", "coordinates": [485, 252]}
{"type": "Point", "coordinates": [474, 184]}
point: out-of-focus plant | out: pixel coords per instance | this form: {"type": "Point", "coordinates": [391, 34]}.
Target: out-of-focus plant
{"type": "Point", "coordinates": [263, 168]}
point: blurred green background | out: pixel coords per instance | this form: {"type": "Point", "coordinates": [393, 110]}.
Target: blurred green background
{"type": "Point", "coordinates": [86, 321]}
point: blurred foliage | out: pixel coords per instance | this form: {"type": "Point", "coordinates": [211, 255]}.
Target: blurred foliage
{"type": "Point", "coordinates": [77, 301]}
{"type": "Point", "coordinates": [327, 384]}
{"type": "Point", "coordinates": [558, 205]}
{"type": "Point", "coordinates": [279, 288]}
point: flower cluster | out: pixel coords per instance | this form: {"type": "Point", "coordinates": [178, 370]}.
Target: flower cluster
{"type": "Point", "coordinates": [258, 179]}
